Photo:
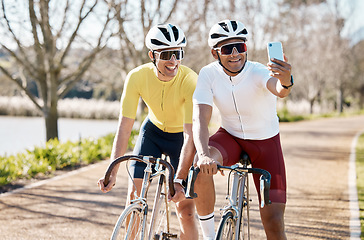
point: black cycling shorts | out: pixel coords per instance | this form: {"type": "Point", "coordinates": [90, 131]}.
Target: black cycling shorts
{"type": "Point", "coordinates": [152, 141]}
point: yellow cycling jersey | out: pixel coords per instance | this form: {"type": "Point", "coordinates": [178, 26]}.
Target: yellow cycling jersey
{"type": "Point", "coordinates": [169, 103]}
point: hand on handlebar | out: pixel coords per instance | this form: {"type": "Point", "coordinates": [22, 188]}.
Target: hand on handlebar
{"type": "Point", "coordinates": [108, 187]}
{"type": "Point", "coordinates": [207, 165]}
{"type": "Point", "coordinates": [179, 194]}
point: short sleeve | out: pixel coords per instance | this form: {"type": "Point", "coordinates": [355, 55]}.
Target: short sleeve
{"type": "Point", "coordinates": [130, 97]}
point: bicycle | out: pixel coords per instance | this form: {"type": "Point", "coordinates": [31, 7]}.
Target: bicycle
{"type": "Point", "coordinates": [235, 220]}
{"type": "Point", "coordinates": [132, 222]}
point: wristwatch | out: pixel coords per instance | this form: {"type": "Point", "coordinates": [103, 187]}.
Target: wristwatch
{"type": "Point", "coordinates": [178, 180]}
{"type": "Point", "coordinates": [286, 87]}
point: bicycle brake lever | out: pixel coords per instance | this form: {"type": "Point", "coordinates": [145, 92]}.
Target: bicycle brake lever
{"type": "Point", "coordinates": [262, 192]}
{"type": "Point", "coordinates": [192, 175]}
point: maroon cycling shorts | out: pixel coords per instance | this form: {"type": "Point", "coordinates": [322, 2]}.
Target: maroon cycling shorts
{"type": "Point", "coordinates": [265, 154]}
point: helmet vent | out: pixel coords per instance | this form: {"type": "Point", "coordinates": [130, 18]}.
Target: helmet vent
{"type": "Point", "coordinates": [183, 41]}
{"type": "Point", "coordinates": [224, 26]}
{"type": "Point", "coordinates": [234, 25]}
{"type": "Point", "coordinates": [244, 32]}
{"type": "Point", "coordinates": [165, 33]}
{"type": "Point", "coordinates": [216, 35]}
{"type": "Point", "coordinates": [158, 43]}
{"type": "Point", "coordinates": [175, 32]}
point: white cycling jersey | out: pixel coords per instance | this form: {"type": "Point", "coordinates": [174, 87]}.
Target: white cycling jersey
{"type": "Point", "coordinates": [247, 107]}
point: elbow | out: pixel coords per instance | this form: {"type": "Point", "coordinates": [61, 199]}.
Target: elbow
{"type": "Point", "coordinates": [283, 94]}
{"type": "Point", "coordinates": [280, 95]}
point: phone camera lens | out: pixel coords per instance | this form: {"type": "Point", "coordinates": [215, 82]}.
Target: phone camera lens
{"type": "Point", "coordinates": [270, 44]}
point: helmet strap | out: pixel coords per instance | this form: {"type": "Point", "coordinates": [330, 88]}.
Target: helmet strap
{"type": "Point", "coordinates": [237, 72]}
{"type": "Point", "coordinates": [156, 64]}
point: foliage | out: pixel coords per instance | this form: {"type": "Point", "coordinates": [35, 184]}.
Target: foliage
{"type": "Point", "coordinates": [56, 156]}
{"type": "Point", "coordinates": [285, 116]}
{"type": "Point", "coordinates": [360, 178]}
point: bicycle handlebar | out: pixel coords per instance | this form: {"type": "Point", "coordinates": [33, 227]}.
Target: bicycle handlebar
{"type": "Point", "coordinates": [264, 180]}
{"type": "Point", "coordinates": [146, 160]}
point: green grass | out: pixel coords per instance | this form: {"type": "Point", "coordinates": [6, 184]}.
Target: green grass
{"type": "Point", "coordinates": [360, 179]}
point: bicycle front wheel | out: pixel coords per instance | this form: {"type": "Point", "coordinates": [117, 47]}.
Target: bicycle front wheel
{"type": "Point", "coordinates": [129, 224]}
{"type": "Point", "coordinates": [226, 227]}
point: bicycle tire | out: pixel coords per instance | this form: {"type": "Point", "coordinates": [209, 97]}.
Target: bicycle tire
{"type": "Point", "coordinates": [226, 228]}
{"type": "Point", "coordinates": [159, 223]}
{"type": "Point", "coordinates": [243, 220]}
{"type": "Point", "coordinates": [124, 228]}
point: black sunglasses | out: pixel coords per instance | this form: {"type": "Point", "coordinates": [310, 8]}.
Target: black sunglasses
{"type": "Point", "coordinates": [228, 48]}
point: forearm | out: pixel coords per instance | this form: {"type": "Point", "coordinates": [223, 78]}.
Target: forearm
{"type": "Point", "coordinates": [201, 136]}
{"type": "Point", "coordinates": [186, 160]}
{"type": "Point", "coordinates": [275, 86]}
{"type": "Point", "coordinates": [187, 153]}
{"type": "Point", "coordinates": [281, 91]}
{"type": "Point", "coordinates": [202, 116]}
{"type": "Point", "coordinates": [120, 144]}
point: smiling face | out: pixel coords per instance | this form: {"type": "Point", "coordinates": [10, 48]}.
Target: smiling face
{"type": "Point", "coordinates": [167, 69]}
{"type": "Point", "coordinates": [235, 61]}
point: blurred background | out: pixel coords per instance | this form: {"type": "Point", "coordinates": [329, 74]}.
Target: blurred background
{"type": "Point", "coordinates": [68, 59]}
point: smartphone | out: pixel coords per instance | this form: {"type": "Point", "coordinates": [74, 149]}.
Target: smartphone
{"type": "Point", "coordinates": [275, 50]}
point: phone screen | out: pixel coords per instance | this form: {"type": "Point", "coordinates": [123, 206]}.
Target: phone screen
{"type": "Point", "coordinates": [275, 50]}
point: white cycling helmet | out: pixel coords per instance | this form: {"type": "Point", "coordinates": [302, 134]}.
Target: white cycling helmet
{"type": "Point", "coordinates": [226, 29]}
{"type": "Point", "coordinates": [165, 36]}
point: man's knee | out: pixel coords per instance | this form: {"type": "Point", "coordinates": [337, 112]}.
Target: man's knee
{"type": "Point", "coordinates": [273, 217]}
{"type": "Point", "coordinates": [186, 212]}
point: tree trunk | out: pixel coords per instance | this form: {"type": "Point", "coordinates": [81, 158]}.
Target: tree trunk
{"type": "Point", "coordinates": [312, 102]}
{"type": "Point", "coordinates": [339, 100]}
{"type": "Point", "coordinates": [51, 121]}
{"type": "Point", "coordinates": [51, 118]}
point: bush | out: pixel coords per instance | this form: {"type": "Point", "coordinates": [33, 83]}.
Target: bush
{"type": "Point", "coordinates": [55, 156]}
{"type": "Point", "coordinates": [285, 116]}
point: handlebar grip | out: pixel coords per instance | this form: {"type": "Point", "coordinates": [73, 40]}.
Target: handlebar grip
{"type": "Point", "coordinates": [141, 159]}
{"type": "Point", "coordinates": [192, 175]}
{"type": "Point", "coordinates": [112, 165]}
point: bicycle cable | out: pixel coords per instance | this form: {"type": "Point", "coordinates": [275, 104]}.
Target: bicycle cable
{"type": "Point", "coordinates": [228, 186]}
{"type": "Point", "coordinates": [127, 170]}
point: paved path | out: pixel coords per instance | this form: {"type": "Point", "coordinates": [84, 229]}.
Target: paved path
{"type": "Point", "coordinates": [317, 156]}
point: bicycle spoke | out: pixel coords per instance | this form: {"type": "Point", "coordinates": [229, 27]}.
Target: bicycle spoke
{"type": "Point", "coordinates": [129, 224]}
{"type": "Point", "coordinates": [226, 227]}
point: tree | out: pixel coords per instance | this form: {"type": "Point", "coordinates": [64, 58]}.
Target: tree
{"type": "Point", "coordinates": [39, 35]}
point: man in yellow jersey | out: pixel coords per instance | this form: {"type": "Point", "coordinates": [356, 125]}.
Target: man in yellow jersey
{"type": "Point", "coordinates": [166, 87]}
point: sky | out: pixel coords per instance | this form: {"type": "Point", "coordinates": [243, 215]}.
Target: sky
{"type": "Point", "coordinates": [355, 18]}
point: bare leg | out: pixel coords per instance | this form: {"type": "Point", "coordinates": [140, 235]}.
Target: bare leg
{"type": "Point", "coordinates": [273, 221]}
{"type": "Point", "coordinates": [205, 188]}
{"type": "Point", "coordinates": [131, 188]}
{"type": "Point", "coordinates": [186, 217]}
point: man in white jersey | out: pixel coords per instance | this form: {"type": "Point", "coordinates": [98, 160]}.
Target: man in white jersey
{"type": "Point", "coordinates": [245, 93]}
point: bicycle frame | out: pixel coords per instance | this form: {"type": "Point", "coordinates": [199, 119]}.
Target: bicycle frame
{"type": "Point", "coordinates": [237, 196]}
